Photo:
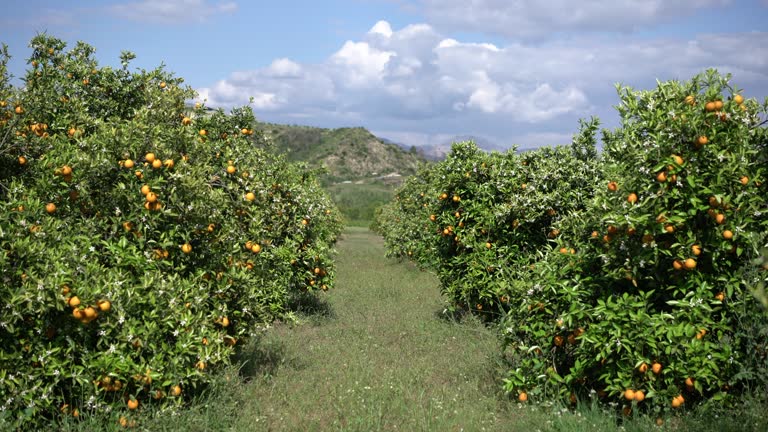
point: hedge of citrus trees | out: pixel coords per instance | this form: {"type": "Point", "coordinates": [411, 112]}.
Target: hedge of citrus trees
{"type": "Point", "coordinates": [623, 275]}
{"type": "Point", "coordinates": [140, 241]}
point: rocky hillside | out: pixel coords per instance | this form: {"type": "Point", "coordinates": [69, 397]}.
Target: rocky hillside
{"type": "Point", "coordinates": [349, 154]}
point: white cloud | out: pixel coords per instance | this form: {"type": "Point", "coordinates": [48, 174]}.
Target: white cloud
{"type": "Point", "coordinates": [171, 11]}
{"type": "Point", "coordinates": [361, 64]}
{"type": "Point", "coordinates": [383, 28]}
{"type": "Point", "coordinates": [534, 18]}
{"type": "Point", "coordinates": [283, 68]}
{"type": "Point", "coordinates": [417, 81]}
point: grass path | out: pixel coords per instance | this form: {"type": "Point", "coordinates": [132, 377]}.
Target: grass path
{"type": "Point", "coordinates": [377, 356]}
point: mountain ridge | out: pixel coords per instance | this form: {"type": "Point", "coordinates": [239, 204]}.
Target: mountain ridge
{"type": "Point", "coordinates": [348, 154]}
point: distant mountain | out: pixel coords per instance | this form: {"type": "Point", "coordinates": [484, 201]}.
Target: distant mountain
{"type": "Point", "coordinates": [349, 154]}
{"type": "Point", "coordinates": [436, 152]}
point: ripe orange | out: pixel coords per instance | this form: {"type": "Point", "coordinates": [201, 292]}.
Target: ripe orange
{"type": "Point", "coordinates": [696, 249]}
{"type": "Point", "coordinates": [661, 177]}
{"type": "Point", "coordinates": [656, 368]}
{"type": "Point", "coordinates": [22, 160]}
{"type": "Point", "coordinates": [702, 140]}
{"type": "Point", "coordinates": [256, 248]}
{"type": "Point", "coordinates": [613, 186]}
{"type": "Point", "coordinates": [157, 164]}
{"type": "Point", "coordinates": [690, 264]}
{"type": "Point", "coordinates": [151, 197]}
{"type": "Point", "coordinates": [128, 163]}
{"type": "Point", "coordinates": [432, 217]}
{"type": "Point", "coordinates": [643, 368]}
{"type": "Point", "coordinates": [720, 296]}
{"type": "Point", "coordinates": [250, 196]}
{"type": "Point", "coordinates": [225, 322]}
{"type": "Point", "coordinates": [677, 401]}
{"type": "Point", "coordinates": [50, 208]}
{"type": "Point", "coordinates": [558, 340]}
{"type": "Point", "coordinates": [701, 333]}
{"type": "Point", "coordinates": [720, 218]}
{"type": "Point", "coordinates": [104, 305]}
{"type": "Point", "coordinates": [690, 100]}
{"type": "Point", "coordinates": [563, 250]}
{"type": "Point", "coordinates": [522, 397]}
{"type": "Point", "coordinates": [678, 160]}
{"type": "Point", "coordinates": [669, 228]}
{"type": "Point", "coordinates": [145, 190]}
{"type": "Point", "coordinates": [689, 382]}
{"type": "Point", "coordinates": [19, 109]}
{"type": "Point", "coordinates": [727, 234]}
{"type": "Point", "coordinates": [744, 180]}
{"type": "Point", "coordinates": [718, 105]}
{"type": "Point", "coordinates": [150, 157]}
{"type": "Point", "coordinates": [632, 198]}
{"type": "Point", "coordinates": [162, 85]}
{"type": "Point", "coordinates": [74, 301]}
{"type": "Point", "coordinates": [133, 404]}
{"type": "Point", "coordinates": [66, 170]}
{"type": "Point", "coordinates": [710, 106]}
{"type": "Point", "coordinates": [176, 390]}
{"type": "Point", "coordinates": [78, 314]}
{"type": "Point", "coordinates": [677, 265]}
{"type": "Point", "coordinates": [186, 248]}
{"type": "Point", "coordinates": [639, 396]}
{"type": "Point", "coordinates": [203, 132]}
{"type": "Point", "coordinates": [186, 121]}
{"type": "Point", "coordinates": [488, 245]}
{"type": "Point", "coordinates": [456, 198]}
{"type": "Point", "coordinates": [443, 196]}
{"type": "Point", "coordinates": [90, 313]}
{"type": "Point", "coordinates": [739, 99]}
{"type": "Point", "coordinates": [629, 394]}
{"type": "Point", "coordinates": [231, 169]}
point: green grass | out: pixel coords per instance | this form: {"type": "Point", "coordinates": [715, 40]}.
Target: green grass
{"type": "Point", "coordinates": [378, 354]}
{"type": "Point", "coordinates": [358, 202]}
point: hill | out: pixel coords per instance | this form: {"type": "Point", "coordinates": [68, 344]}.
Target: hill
{"type": "Point", "coordinates": [349, 154]}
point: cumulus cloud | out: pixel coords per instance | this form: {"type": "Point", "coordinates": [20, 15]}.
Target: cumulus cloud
{"type": "Point", "coordinates": [533, 18]}
{"type": "Point", "coordinates": [418, 81]}
{"type": "Point", "coordinates": [171, 11]}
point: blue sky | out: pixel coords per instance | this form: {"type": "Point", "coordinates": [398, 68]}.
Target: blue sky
{"type": "Point", "coordinates": [416, 71]}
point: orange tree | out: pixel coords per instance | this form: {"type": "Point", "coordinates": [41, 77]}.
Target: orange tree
{"type": "Point", "coordinates": [654, 307]}
{"type": "Point", "coordinates": [479, 220]}
{"type": "Point", "coordinates": [140, 240]}
{"type": "Point", "coordinates": [404, 222]}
